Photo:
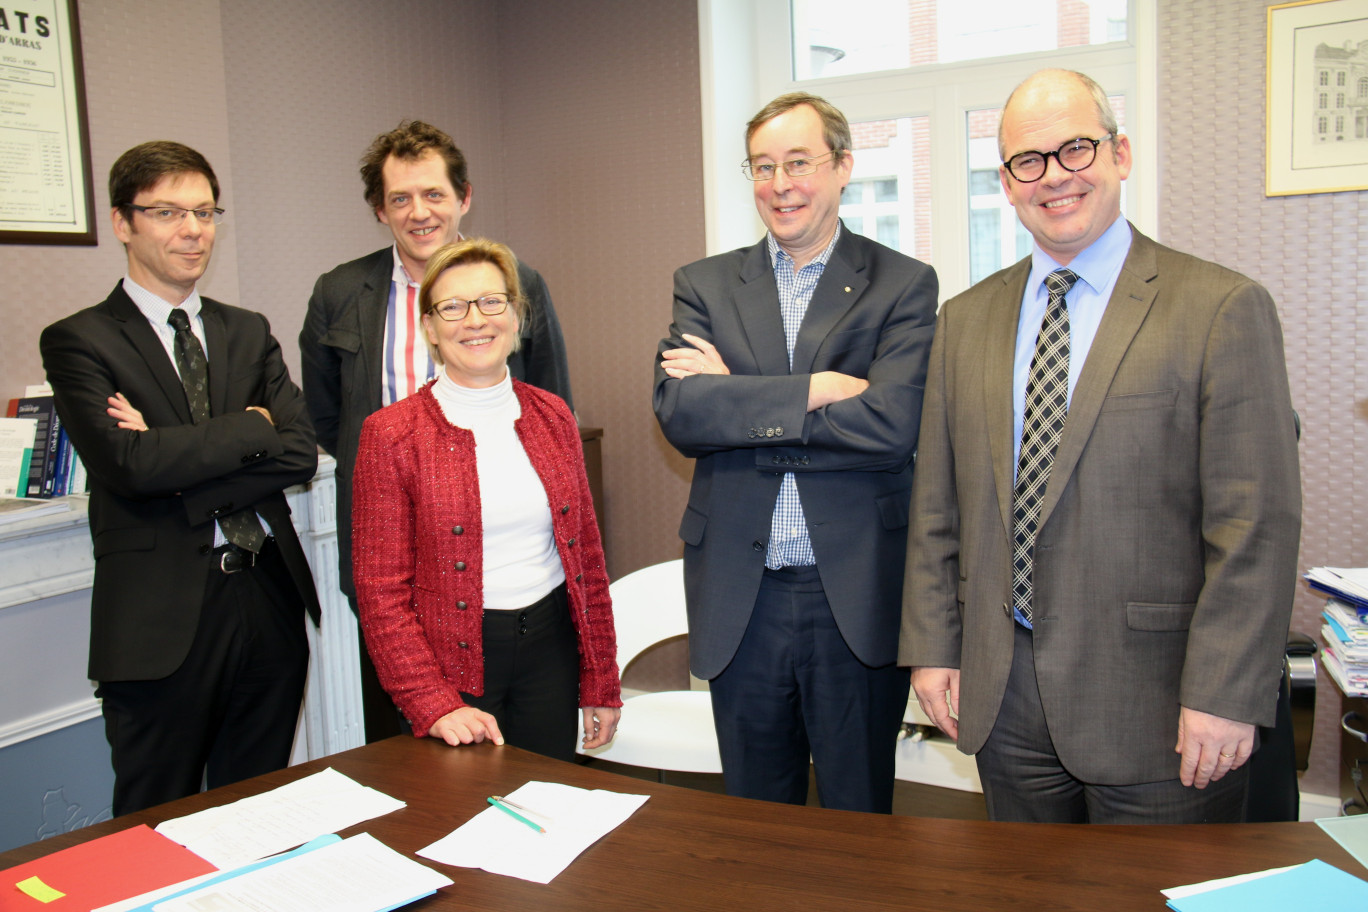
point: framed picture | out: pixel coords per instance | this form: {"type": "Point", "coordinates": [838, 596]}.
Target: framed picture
{"type": "Point", "coordinates": [45, 183]}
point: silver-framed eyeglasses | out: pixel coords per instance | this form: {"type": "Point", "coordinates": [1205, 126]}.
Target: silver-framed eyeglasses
{"type": "Point", "coordinates": [1074, 155]}
{"type": "Point", "coordinates": [794, 167]}
{"type": "Point", "coordinates": [453, 309]}
{"type": "Point", "coordinates": [166, 215]}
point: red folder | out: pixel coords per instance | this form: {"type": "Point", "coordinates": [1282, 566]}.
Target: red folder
{"type": "Point", "coordinates": [101, 871]}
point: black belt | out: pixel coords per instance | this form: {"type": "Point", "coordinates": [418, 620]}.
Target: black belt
{"type": "Point", "coordinates": [231, 559]}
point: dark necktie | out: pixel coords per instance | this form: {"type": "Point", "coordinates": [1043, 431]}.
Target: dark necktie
{"type": "Point", "coordinates": [242, 528]}
{"type": "Point", "coordinates": [1047, 405]}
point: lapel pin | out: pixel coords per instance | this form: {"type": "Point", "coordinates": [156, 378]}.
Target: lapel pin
{"type": "Point", "coordinates": [847, 289]}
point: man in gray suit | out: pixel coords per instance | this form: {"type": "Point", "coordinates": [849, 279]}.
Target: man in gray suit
{"type": "Point", "coordinates": [1105, 605]}
{"type": "Point", "coordinates": [362, 347]}
{"type": "Point", "coordinates": [793, 375]}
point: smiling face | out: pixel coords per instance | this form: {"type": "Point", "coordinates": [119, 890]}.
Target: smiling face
{"type": "Point", "coordinates": [1064, 211]}
{"type": "Point", "coordinates": [421, 208]}
{"type": "Point", "coordinates": [168, 259]}
{"type": "Point", "coordinates": [474, 350]}
{"type": "Point", "coordinates": [801, 212]}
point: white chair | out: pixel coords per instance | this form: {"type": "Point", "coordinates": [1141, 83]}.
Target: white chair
{"type": "Point", "coordinates": [666, 730]}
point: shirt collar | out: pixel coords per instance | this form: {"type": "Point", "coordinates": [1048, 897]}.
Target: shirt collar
{"type": "Point", "coordinates": [1096, 266]}
{"type": "Point", "coordinates": [400, 274]}
{"type": "Point", "coordinates": [157, 309]}
{"type": "Point", "coordinates": [775, 251]}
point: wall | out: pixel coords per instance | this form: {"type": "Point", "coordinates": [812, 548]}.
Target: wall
{"type": "Point", "coordinates": [604, 195]}
{"type": "Point", "coordinates": [1311, 252]}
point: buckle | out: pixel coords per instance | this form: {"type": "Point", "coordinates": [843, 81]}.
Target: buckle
{"type": "Point", "coordinates": [232, 559]}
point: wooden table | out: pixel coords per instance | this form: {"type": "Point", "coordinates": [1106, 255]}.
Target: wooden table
{"type": "Point", "coordinates": [694, 850]}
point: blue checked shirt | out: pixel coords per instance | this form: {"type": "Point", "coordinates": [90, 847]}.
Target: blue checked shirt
{"type": "Point", "coordinates": [789, 542]}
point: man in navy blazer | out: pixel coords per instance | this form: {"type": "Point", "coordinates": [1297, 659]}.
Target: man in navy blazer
{"type": "Point", "coordinates": [361, 346]}
{"type": "Point", "coordinates": [793, 375]}
{"type": "Point", "coordinates": [197, 633]}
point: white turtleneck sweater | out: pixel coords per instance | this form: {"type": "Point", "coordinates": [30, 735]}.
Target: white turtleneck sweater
{"type": "Point", "coordinates": [521, 564]}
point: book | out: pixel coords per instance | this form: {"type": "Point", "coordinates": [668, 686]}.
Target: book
{"type": "Point", "coordinates": [42, 467]}
{"type": "Point", "coordinates": [16, 454]}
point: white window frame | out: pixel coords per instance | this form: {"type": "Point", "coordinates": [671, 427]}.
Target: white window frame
{"type": "Point", "coordinates": [745, 56]}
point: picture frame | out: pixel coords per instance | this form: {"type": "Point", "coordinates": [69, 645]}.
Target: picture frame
{"type": "Point", "coordinates": [46, 188]}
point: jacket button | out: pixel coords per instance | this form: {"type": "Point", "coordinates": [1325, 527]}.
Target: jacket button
{"type": "Point", "coordinates": [774, 460]}
{"type": "Point", "coordinates": [458, 530]}
{"type": "Point", "coordinates": [464, 645]}
{"type": "Point", "coordinates": [565, 508]}
{"type": "Point", "coordinates": [578, 577]}
{"type": "Point", "coordinates": [205, 549]}
{"type": "Point", "coordinates": [769, 432]}
{"type": "Point", "coordinates": [779, 431]}
{"type": "Point", "coordinates": [460, 565]}
{"type": "Point", "coordinates": [570, 543]}
{"type": "Point", "coordinates": [1006, 609]}
{"type": "Point", "coordinates": [758, 545]}
{"type": "Point", "coordinates": [805, 460]}
{"type": "Point", "coordinates": [460, 606]}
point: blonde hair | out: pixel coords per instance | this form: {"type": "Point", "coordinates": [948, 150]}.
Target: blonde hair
{"type": "Point", "coordinates": [469, 252]}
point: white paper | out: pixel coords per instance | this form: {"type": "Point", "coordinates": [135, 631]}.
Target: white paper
{"type": "Point", "coordinates": [1207, 885]}
{"type": "Point", "coordinates": [574, 819]}
{"type": "Point", "coordinates": [235, 834]}
{"type": "Point", "coordinates": [360, 874]}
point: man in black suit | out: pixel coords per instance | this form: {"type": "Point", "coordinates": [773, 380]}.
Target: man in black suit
{"type": "Point", "coordinates": [184, 414]}
{"type": "Point", "coordinates": [793, 375]}
{"type": "Point", "coordinates": [362, 347]}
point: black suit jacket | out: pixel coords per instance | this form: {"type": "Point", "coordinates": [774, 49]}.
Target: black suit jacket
{"type": "Point", "coordinates": [871, 316]}
{"type": "Point", "coordinates": [340, 349]}
{"type": "Point", "coordinates": [154, 494]}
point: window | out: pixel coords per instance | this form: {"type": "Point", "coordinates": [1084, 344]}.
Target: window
{"type": "Point", "coordinates": [1324, 99]}
{"type": "Point", "coordinates": [1339, 78]}
{"type": "Point", "coordinates": [1325, 77]}
{"type": "Point", "coordinates": [1322, 124]}
{"type": "Point", "coordinates": [1363, 87]}
{"type": "Point", "coordinates": [1339, 124]}
{"type": "Point", "coordinates": [921, 82]}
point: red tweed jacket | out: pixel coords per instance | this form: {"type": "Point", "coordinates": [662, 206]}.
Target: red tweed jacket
{"type": "Point", "coordinates": [417, 536]}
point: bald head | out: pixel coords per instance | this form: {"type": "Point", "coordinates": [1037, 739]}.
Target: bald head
{"type": "Point", "coordinates": [1061, 83]}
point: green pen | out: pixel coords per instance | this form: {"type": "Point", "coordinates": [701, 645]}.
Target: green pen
{"type": "Point", "coordinates": [494, 800]}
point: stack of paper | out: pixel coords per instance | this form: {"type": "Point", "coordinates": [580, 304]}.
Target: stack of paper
{"type": "Point", "coordinates": [252, 828]}
{"type": "Point", "coordinates": [1346, 647]}
{"type": "Point", "coordinates": [1347, 585]}
{"type": "Point", "coordinates": [1314, 885]}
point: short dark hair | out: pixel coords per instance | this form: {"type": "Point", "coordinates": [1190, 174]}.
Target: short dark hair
{"type": "Point", "coordinates": [835, 127]}
{"type": "Point", "coordinates": [410, 141]}
{"type": "Point", "coordinates": [141, 167]}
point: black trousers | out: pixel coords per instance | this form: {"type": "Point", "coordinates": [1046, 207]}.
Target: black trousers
{"type": "Point", "coordinates": [229, 712]}
{"type": "Point", "coordinates": [793, 690]}
{"type": "Point", "coordinates": [1024, 781]}
{"type": "Point", "coordinates": [531, 676]}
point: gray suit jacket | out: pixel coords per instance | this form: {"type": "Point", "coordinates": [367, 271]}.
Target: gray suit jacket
{"type": "Point", "coordinates": [871, 316]}
{"type": "Point", "coordinates": [1167, 552]}
{"type": "Point", "coordinates": [155, 494]}
{"type": "Point", "coordinates": [341, 358]}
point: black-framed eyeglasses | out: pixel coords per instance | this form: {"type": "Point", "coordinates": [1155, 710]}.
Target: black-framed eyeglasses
{"type": "Point", "coordinates": [166, 215]}
{"type": "Point", "coordinates": [1074, 155]}
{"type": "Point", "coordinates": [453, 309]}
{"type": "Point", "coordinates": [794, 167]}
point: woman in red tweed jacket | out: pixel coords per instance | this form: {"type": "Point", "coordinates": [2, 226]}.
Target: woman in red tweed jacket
{"type": "Point", "coordinates": [478, 565]}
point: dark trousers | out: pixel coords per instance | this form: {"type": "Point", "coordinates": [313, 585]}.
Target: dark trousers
{"type": "Point", "coordinates": [794, 690]}
{"type": "Point", "coordinates": [1023, 779]}
{"type": "Point", "coordinates": [229, 712]}
{"type": "Point", "coordinates": [531, 676]}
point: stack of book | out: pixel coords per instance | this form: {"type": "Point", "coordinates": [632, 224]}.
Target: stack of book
{"type": "Point", "coordinates": [1345, 631]}
{"type": "Point", "coordinates": [36, 456]}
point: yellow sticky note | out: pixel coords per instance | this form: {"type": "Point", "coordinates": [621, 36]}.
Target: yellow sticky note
{"type": "Point", "coordinates": [40, 891]}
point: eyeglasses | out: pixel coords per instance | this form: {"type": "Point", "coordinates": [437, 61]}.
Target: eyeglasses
{"type": "Point", "coordinates": [794, 167]}
{"type": "Point", "coordinates": [453, 309]}
{"type": "Point", "coordinates": [1074, 155]}
{"type": "Point", "coordinates": [166, 215]}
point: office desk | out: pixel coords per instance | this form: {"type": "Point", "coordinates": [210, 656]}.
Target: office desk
{"type": "Point", "coordinates": [694, 850]}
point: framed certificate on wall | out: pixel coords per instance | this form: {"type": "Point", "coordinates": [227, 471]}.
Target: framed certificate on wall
{"type": "Point", "coordinates": [45, 182]}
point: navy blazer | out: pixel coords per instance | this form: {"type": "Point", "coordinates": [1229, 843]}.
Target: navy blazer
{"type": "Point", "coordinates": [872, 316]}
{"type": "Point", "coordinates": [341, 359]}
{"type": "Point", "coordinates": [155, 494]}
